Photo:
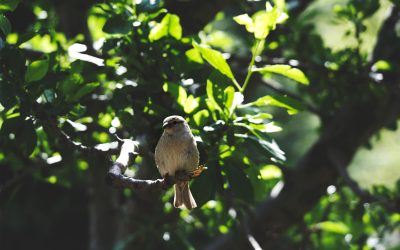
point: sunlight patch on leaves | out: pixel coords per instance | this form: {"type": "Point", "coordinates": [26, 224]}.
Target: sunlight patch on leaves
{"type": "Point", "coordinates": [169, 26]}
{"type": "Point", "coordinates": [216, 59]}
{"type": "Point", "coordinates": [285, 70]}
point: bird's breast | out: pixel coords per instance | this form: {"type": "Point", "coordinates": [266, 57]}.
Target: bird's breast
{"type": "Point", "coordinates": [174, 154]}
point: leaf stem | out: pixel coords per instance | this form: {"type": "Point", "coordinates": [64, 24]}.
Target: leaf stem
{"type": "Point", "coordinates": [249, 71]}
{"type": "Point", "coordinates": [237, 85]}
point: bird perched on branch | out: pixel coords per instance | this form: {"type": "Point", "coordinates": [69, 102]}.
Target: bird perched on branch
{"type": "Point", "coordinates": [176, 154]}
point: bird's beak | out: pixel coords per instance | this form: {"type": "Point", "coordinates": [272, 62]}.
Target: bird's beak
{"type": "Point", "coordinates": [165, 124]}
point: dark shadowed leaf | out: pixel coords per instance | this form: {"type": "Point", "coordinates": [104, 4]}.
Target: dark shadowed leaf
{"type": "Point", "coordinates": [5, 25]}
{"type": "Point", "coordinates": [203, 187]}
{"type": "Point", "coordinates": [117, 25]}
{"type": "Point", "coordinates": [86, 89]}
{"type": "Point", "coordinates": [238, 181]}
{"type": "Point", "coordinates": [20, 133]}
{"type": "Point", "coordinates": [36, 70]}
{"type": "Point", "coordinates": [270, 146]}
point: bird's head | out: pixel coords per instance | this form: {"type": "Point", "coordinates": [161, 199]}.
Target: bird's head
{"type": "Point", "coordinates": [174, 124]}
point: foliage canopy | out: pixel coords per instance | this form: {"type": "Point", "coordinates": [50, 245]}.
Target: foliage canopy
{"type": "Point", "coordinates": [70, 82]}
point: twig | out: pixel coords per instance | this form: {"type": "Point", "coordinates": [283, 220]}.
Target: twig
{"type": "Point", "coordinates": [363, 194]}
{"type": "Point", "coordinates": [50, 126]}
{"type": "Point", "coordinates": [340, 167]}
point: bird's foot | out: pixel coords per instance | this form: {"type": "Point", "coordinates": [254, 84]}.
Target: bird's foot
{"type": "Point", "coordinates": [198, 171]}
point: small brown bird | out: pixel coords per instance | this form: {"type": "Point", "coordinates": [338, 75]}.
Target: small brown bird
{"type": "Point", "coordinates": [177, 151]}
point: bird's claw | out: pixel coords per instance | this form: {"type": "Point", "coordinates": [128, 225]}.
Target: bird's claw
{"type": "Point", "coordinates": [186, 176]}
{"type": "Point", "coordinates": [197, 172]}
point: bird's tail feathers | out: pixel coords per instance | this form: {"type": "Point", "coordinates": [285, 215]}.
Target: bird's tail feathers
{"type": "Point", "coordinates": [183, 197]}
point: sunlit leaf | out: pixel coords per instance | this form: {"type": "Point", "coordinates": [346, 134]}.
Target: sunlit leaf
{"type": "Point", "coordinates": [36, 70]}
{"type": "Point", "coordinates": [332, 227]}
{"type": "Point", "coordinates": [246, 20]}
{"type": "Point", "coordinates": [194, 55]}
{"type": "Point", "coordinates": [266, 127]}
{"type": "Point", "coordinates": [191, 104]}
{"type": "Point", "coordinates": [211, 101]}
{"type": "Point", "coordinates": [229, 95]}
{"type": "Point", "coordinates": [262, 24]}
{"type": "Point", "coordinates": [256, 119]}
{"type": "Point", "coordinates": [285, 70]}
{"type": "Point", "coordinates": [216, 59]}
{"type": "Point", "coordinates": [169, 26]}
{"type": "Point", "coordinates": [182, 96]}
{"type": "Point", "coordinates": [8, 5]}
{"type": "Point", "coordinates": [381, 65]}
{"type": "Point", "coordinates": [270, 172]}
{"type": "Point", "coordinates": [291, 105]}
{"type": "Point", "coordinates": [200, 117]}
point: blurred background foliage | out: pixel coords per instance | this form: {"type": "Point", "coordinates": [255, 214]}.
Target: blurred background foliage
{"type": "Point", "coordinates": [257, 90]}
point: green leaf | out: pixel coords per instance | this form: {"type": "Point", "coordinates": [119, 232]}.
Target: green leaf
{"type": "Point", "coordinates": [117, 25]}
{"type": "Point", "coordinates": [7, 94]}
{"type": "Point", "coordinates": [194, 55]}
{"type": "Point", "coordinates": [174, 27]}
{"type": "Point", "coordinates": [332, 227]}
{"type": "Point", "coordinates": [229, 95]}
{"type": "Point", "coordinates": [288, 103]}
{"type": "Point", "coordinates": [5, 25]}
{"type": "Point", "coordinates": [266, 127]}
{"type": "Point", "coordinates": [285, 70]}
{"type": "Point", "coordinates": [212, 104]}
{"type": "Point", "coordinates": [256, 119]}
{"type": "Point", "coordinates": [216, 59]}
{"type": "Point", "coordinates": [191, 104]}
{"type": "Point", "coordinates": [36, 70]}
{"type": "Point", "coordinates": [20, 133]}
{"type": "Point", "coordinates": [86, 89]}
{"type": "Point", "coordinates": [262, 24]}
{"type": "Point", "coordinates": [244, 19]}
{"type": "Point", "coordinates": [239, 182]}
{"type": "Point", "coordinates": [382, 65]}
{"type": "Point", "coordinates": [169, 25]}
{"type": "Point", "coordinates": [8, 5]}
{"type": "Point", "coordinates": [200, 117]}
{"type": "Point", "coordinates": [270, 147]}
{"type": "Point", "coordinates": [182, 96]}
{"type": "Point", "coordinates": [187, 102]}
{"type": "Point", "coordinates": [269, 172]}
{"type": "Point", "coordinates": [203, 187]}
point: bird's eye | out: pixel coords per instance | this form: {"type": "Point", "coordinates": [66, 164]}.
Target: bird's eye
{"type": "Point", "coordinates": [174, 122]}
